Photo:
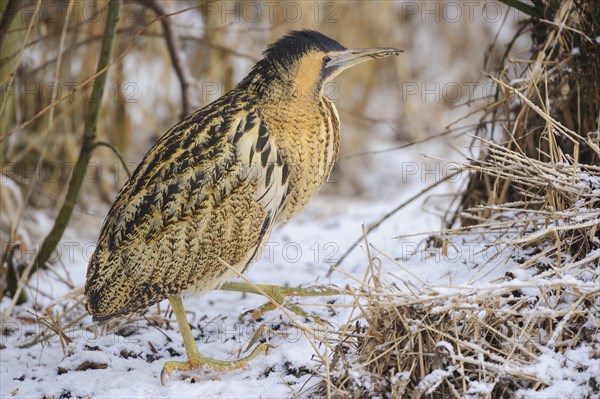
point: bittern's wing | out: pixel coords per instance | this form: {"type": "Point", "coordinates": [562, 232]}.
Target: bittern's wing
{"type": "Point", "coordinates": [209, 189]}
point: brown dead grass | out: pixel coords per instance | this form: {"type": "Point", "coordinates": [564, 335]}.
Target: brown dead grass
{"type": "Point", "coordinates": [533, 195]}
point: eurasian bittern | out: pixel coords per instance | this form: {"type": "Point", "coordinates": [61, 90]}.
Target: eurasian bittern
{"type": "Point", "coordinates": [205, 198]}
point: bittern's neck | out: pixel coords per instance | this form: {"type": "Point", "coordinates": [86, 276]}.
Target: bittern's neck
{"type": "Point", "coordinates": [275, 83]}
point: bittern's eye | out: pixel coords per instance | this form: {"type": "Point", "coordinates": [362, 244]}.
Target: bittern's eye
{"type": "Point", "coordinates": [326, 59]}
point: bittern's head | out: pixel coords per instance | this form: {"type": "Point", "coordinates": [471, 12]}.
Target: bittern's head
{"type": "Point", "coordinates": [302, 62]}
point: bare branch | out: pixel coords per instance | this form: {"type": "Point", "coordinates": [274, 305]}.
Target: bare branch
{"type": "Point", "coordinates": [181, 69]}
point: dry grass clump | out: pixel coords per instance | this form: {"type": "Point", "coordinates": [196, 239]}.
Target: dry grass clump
{"type": "Point", "coordinates": [454, 342]}
{"type": "Point", "coordinates": [483, 340]}
{"type": "Point", "coordinates": [547, 107]}
{"type": "Point", "coordinates": [534, 197]}
{"type": "Point", "coordinates": [541, 164]}
{"type": "Point", "coordinates": [66, 320]}
{"type": "Point", "coordinates": [559, 212]}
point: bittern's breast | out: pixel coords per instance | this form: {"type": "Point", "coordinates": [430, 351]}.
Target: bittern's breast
{"type": "Point", "coordinates": [310, 147]}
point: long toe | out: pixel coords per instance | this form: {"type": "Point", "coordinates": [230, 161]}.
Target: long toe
{"type": "Point", "coordinates": [199, 361]}
{"type": "Point", "coordinates": [169, 367]}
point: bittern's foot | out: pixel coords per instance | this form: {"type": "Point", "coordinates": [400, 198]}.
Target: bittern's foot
{"type": "Point", "coordinates": [277, 295]}
{"type": "Point", "coordinates": [196, 361]}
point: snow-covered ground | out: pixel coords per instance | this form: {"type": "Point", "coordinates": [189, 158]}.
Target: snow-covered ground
{"type": "Point", "coordinates": [127, 361]}
{"type": "Point", "coordinates": [300, 253]}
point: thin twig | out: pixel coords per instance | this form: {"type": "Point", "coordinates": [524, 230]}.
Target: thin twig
{"type": "Point", "coordinates": [387, 216]}
{"type": "Point", "coordinates": [116, 151]}
{"type": "Point", "coordinates": [11, 76]}
{"type": "Point", "coordinates": [523, 7]}
{"type": "Point", "coordinates": [183, 73]}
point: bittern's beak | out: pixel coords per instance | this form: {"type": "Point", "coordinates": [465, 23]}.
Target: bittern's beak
{"type": "Point", "coordinates": [347, 58]}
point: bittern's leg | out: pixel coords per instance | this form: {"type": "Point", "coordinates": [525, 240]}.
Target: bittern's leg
{"type": "Point", "coordinates": [278, 294]}
{"type": "Point", "coordinates": [195, 359]}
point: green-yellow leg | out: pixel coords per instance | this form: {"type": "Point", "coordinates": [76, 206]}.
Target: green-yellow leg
{"type": "Point", "coordinates": [277, 295]}
{"type": "Point", "coordinates": [195, 359]}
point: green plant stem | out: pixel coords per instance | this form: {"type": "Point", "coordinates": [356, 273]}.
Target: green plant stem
{"type": "Point", "coordinates": [89, 137]}
{"type": "Point", "coordinates": [8, 9]}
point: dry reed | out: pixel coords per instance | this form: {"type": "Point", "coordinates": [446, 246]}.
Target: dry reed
{"type": "Point", "coordinates": [534, 195]}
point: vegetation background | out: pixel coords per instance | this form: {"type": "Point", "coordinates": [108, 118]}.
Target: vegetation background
{"type": "Point", "coordinates": [509, 91]}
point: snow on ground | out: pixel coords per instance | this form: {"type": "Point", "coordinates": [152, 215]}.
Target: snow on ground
{"type": "Point", "coordinates": [300, 253]}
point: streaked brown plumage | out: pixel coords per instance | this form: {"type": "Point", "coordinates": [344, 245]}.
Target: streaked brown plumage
{"type": "Point", "coordinates": [217, 182]}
